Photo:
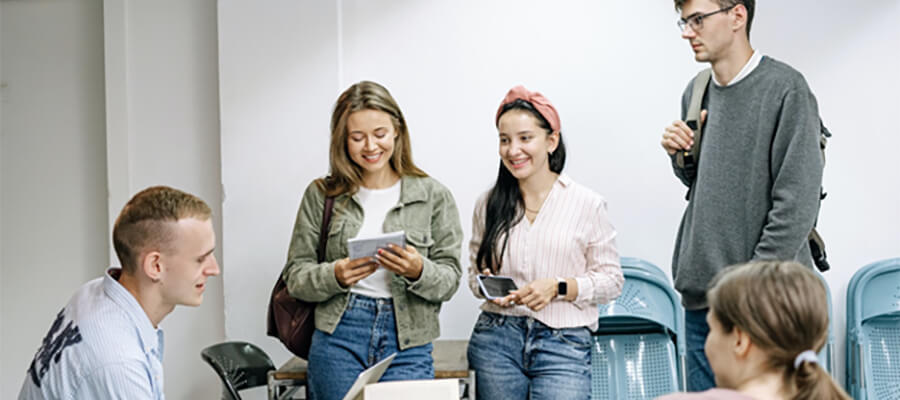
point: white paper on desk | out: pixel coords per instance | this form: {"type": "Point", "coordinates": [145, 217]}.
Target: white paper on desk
{"type": "Point", "coordinates": [431, 389]}
{"type": "Point", "coordinates": [370, 375]}
{"type": "Point", "coordinates": [368, 246]}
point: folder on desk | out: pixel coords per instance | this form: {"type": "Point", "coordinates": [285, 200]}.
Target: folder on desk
{"type": "Point", "coordinates": [370, 375]}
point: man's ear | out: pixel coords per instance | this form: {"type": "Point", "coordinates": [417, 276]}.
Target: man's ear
{"type": "Point", "coordinates": [740, 18]}
{"type": "Point", "coordinates": [151, 264]}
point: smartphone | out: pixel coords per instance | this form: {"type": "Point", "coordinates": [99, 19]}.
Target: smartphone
{"type": "Point", "coordinates": [495, 287]}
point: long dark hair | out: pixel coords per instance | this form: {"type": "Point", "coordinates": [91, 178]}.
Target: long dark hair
{"type": "Point", "coordinates": [505, 206]}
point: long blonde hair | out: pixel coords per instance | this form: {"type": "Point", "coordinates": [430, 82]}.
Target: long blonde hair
{"type": "Point", "coordinates": [781, 305]}
{"type": "Point", "coordinates": [346, 176]}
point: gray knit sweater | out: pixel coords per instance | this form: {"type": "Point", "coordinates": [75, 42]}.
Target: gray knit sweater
{"type": "Point", "coordinates": [756, 194]}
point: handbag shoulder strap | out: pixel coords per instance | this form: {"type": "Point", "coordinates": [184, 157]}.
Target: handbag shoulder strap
{"type": "Point", "coordinates": [323, 232]}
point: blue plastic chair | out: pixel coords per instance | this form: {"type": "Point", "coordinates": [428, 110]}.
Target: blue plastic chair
{"type": "Point", "coordinates": [638, 351]}
{"type": "Point", "coordinates": [873, 332]}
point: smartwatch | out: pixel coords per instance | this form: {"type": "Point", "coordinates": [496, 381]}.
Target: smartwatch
{"type": "Point", "coordinates": [561, 288]}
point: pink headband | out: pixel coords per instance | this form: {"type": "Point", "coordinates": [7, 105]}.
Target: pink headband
{"type": "Point", "coordinates": [540, 103]}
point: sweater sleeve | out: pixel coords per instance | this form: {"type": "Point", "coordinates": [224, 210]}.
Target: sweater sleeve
{"type": "Point", "coordinates": [796, 167]}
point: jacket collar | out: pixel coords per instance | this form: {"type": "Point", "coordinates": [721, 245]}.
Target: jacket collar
{"type": "Point", "coordinates": [412, 189]}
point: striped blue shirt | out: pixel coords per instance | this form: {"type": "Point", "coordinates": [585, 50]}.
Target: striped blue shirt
{"type": "Point", "coordinates": [101, 345]}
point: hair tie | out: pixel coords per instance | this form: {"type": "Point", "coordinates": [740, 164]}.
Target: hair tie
{"type": "Point", "coordinates": [808, 356]}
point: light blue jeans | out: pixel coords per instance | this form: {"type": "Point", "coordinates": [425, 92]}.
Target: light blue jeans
{"type": "Point", "coordinates": [366, 335]}
{"type": "Point", "coordinates": [699, 374]}
{"type": "Point", "coordinates": [520, 358]}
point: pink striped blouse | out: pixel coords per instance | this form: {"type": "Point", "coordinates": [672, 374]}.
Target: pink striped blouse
{"type": "Point", "coordinates": [571, 237]}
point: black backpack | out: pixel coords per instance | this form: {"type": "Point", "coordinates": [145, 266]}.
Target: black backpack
{"type": "Point", "coordinates": [688, 159]}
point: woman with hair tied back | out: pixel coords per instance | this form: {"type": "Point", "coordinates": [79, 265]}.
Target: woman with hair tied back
{"type": "Point", "coordinates": [552, 236]}
{"type": "Point", "coordinates": [767, 320]}
{"type": "Point", "coordinates": [372, 307]}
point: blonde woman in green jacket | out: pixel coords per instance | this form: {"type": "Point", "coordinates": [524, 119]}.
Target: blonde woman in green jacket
{"type": "Point", "coordinates": [370, 308]}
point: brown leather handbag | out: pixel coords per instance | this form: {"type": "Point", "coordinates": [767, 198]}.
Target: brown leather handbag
{"type": "Point", "coordinates": [292, 320]}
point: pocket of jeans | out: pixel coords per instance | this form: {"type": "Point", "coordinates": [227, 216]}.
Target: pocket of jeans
{"type": "Point", "coordinates": [576, 337]}
{"type": "Point", "coordinates": [485, 322]}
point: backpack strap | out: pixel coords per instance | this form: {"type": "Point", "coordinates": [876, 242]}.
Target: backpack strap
{"type": "Point", "coordinates": [687, 159]}
{"type": "Point", "coordinates": [323, 232]}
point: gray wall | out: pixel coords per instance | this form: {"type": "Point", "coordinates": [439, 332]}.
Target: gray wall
{"type": "Point", "coordinates": [163, 129]}
{"type": "Point", "coordinates": [133, 83]}
{"type": "Point", "coordinates": [52, 173]}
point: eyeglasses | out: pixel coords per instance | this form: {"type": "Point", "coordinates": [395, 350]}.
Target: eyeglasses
{"type": "Point", "coordinates": [696, 21]}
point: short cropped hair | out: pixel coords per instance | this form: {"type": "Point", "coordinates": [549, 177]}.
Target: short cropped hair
{"type": "Point", "coordinates": [750, 5]}
{"type": "Point", "coordinates": [145, 222]}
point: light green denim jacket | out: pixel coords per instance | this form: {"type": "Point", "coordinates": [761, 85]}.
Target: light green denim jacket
{"type": "Point", "coordinates": [428, 214]}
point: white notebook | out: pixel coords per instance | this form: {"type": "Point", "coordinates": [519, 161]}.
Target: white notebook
{"type": "Point", "coordinates": [370, 375]}
{"type": "Point", "coordinates": [367, 246]}
{"type": "Point", "coordinates": [437, 389]}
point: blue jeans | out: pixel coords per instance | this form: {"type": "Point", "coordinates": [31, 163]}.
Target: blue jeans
{"type": "Point", "coordinates": [366, 335]}
{"type": "Point", "coordinates": [521, 358]}
{"type": "Point", "coordinates": [699, 374]}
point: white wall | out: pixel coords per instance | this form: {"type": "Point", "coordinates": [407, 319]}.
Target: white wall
{"type": "Point", "coordinates": [615, 70]}
{"type": "Point", "coordinates": [160, 102]}
{"type": "Point", "coordinates": [162, 112]}
{"type": "Point", "coordinates": [267, 55]}
{"type": "Point", "coordinates": [52, 169]}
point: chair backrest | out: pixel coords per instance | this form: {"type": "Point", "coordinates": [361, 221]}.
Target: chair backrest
{"type": "Point", "coordinates": [648, 303]}
{"type": "Point", "coordinates": [639, 348]}
{"type": "Point", "coordinates": [240, 365]}
{"type": "Point", "coordinates": [873, 331]}
{"type": "Point", "coordinates": [633, 366]}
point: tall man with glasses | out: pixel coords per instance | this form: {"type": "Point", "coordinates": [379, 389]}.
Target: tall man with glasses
{"type": "Point", "coordinates": [754, 191]}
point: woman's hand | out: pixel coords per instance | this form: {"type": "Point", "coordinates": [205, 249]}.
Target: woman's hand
{"type": "Point", "coordinates": [537, 294]}
{"type": "Point", "coordinates": [406, 262]}
{"type": "Point", "coordinates": [348, 271]}
{"type": "Point", "coordinates": [508, 301]}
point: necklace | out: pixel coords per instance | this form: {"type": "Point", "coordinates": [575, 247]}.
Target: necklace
{"type": "Point", "coordinates": [531, 211]}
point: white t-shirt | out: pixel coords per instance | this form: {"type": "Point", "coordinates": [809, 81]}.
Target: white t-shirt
{"type": "Point", "coordinates": [376, 203]}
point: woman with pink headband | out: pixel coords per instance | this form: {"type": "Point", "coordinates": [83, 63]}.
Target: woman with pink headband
{"type": "Point", "coordinates": [552, 236]}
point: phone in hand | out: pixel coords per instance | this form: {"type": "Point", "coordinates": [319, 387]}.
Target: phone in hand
{"type": "Point", "coordinates": [495, 287]}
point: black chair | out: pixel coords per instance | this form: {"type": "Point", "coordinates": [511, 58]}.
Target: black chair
{"type": "Point", "coordinates": [241, 365]}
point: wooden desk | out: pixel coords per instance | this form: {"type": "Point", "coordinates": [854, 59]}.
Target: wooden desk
{"type": "Point", "coordinates": [449, 362]}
